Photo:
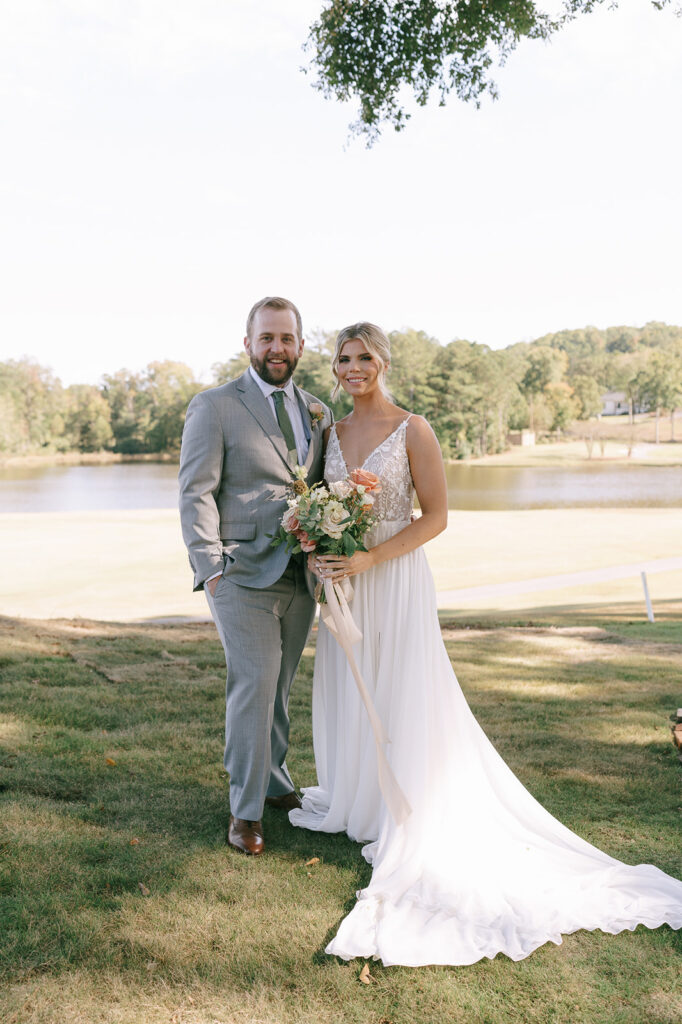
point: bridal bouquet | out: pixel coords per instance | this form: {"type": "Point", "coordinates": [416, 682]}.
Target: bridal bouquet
{"type": "Point", "coordinates": [330, 519]}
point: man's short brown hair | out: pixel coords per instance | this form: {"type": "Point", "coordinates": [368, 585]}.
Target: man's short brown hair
{"type": "Point", "coordinates": [273, 302]}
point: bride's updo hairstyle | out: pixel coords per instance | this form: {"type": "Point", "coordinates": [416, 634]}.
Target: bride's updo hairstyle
{"type": "Point", "coordinates": [376, 343]}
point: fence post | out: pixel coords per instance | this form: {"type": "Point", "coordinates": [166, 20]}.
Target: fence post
{"type": "Point", "coordinates": [649, 609]}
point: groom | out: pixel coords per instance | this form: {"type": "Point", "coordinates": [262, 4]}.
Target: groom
{"type": "Point", "coordinates": [240, 446]}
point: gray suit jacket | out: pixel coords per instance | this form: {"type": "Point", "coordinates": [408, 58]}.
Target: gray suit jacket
{"type": "Point", "coordinates": [234, 479]}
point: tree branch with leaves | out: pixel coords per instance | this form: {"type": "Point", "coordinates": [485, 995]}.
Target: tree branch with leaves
{"type": "Point", "coordinates": [373, 50]}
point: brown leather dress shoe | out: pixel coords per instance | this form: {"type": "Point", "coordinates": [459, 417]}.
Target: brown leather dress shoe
{"type": "Point", "coordinates": [246, 836]}
{"type": "Point", "coordinates": [286, 802]}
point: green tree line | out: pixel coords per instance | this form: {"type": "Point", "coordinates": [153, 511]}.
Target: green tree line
{"type": "Point", "coordinates": [473, 396]}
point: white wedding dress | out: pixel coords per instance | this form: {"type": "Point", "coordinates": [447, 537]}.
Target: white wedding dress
{"type": "Point", "coordinates": [479, 867]}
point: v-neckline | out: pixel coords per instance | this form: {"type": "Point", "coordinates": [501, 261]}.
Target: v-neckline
{"type": "Point", "coordinates": [376, 447]}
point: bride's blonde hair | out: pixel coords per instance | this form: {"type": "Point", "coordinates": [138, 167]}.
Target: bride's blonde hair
{"type": "Point", "coordinates": [376, 343]}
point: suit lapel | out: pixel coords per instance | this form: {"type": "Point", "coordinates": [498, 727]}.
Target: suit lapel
{"type": "Point", "coordinates": [257, 404]}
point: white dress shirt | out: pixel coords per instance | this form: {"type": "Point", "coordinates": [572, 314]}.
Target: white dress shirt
{"type": "Point", "coordinates": [292, 407]}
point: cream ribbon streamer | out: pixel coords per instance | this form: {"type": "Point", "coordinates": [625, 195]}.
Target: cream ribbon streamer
{"type": "Point", "coordinates": [339, 620]}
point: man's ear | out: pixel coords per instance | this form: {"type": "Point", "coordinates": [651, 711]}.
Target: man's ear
{"type": "Point", "coordinates": [247, 345]}
{"type": "Point", "coordinates": [300, 345]}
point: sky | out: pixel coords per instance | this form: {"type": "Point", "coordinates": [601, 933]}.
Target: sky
{"type": "Point", "coordinates": [167, 163]}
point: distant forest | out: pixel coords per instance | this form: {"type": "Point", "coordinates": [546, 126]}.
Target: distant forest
{"type": "Point", "coordinates": [472, 395]}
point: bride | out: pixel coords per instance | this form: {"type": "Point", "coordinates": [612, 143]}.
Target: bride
{"type": "Point", "coordinates": [479, 867]}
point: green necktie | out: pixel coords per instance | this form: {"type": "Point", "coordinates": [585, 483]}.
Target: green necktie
{"type": "Point", "coordinates": [286, 427]}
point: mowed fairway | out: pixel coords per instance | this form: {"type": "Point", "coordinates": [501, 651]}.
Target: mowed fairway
{"type": "Point", "coordinates": [120, 903]}
{"type": "Point", "coordinates": [133, 565]}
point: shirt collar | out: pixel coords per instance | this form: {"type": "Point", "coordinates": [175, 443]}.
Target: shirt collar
{"type": "Point", "coordinates": [268, 389]}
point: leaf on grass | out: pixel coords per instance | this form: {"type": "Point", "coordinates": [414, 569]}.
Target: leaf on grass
{"type": "Point", "coordinates": [313, 860]}
{"type": "Point", "coordinates": [111, 762]}
{"type": "Point", "coordinates": [167, 656]}
{"type": "Point", "coordinates": [143, 889]}
{"type": "Point", "coordinates": [364, 976]}
{"type": "Point", "coordinates": [134, 842]}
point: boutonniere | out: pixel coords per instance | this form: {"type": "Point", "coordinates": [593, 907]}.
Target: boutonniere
{"type": "Point", "coordinates": [316, 413]}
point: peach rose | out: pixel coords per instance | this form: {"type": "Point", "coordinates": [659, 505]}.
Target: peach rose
{"type": "Point", "coordinates": [362, 478]}
{"type": "Point", "coordinates": [316, 412]}
{"type": "Point", "coordinates": [290, 520]}
{"type": "Point", "coordinates": [304, 540]}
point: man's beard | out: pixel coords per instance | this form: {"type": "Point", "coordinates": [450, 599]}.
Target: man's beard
{"type": "Point", "coordinates": [287, 368]}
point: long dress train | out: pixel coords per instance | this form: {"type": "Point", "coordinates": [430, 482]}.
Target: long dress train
{"type": "Point", "coordinates": [479, 867]}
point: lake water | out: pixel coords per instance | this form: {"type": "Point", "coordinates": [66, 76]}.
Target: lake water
{"type": "Point", "coordinates": [137, 485]}
{"type": "Point", "coordinates": [118, 485]}
{"type": "Point", "coordinates": [590, 486]}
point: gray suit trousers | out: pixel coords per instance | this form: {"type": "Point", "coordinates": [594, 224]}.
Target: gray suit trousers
{"type": "Point", "coordinates": [263, 632]}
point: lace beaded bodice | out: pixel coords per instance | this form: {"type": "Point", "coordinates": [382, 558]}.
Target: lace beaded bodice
{"type": "Point", "coordinates": [390, 463]}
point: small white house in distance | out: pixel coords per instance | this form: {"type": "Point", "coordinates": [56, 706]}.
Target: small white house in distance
{"type": "Point", "coordinates": [614, 403]}
{"type": "Point", "coordinates": [524, 438]}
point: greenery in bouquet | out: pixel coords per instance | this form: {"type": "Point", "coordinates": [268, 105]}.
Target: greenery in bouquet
{"type": "Point", "coordinates": [329, 518]}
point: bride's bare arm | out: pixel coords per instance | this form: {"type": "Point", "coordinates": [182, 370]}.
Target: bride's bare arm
{"type": "Point", "coordinates": [426, 465]}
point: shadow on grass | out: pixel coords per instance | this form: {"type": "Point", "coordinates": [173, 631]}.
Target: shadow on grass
{"type": "Point", "coordinates": [112, 788]}
{"type": "Point", "coordinates": [668, 616]}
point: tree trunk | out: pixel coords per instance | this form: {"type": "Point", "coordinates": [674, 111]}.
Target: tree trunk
{"type": "Point", "coordinates": [658, 424]}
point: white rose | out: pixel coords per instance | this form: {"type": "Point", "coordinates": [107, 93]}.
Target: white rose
{"type": "Point", "coordinates": [332, 521]}
{"type": "Point", "coordinates": [368, 499]}
{"type": "Point", "coordinates": [340, 489]}
{"type": "Point", "coordinates": [321, 492]}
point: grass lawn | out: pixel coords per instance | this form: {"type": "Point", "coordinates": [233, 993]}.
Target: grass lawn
{"type": "Point", "coordinates": [613, 439]}
{"type": "Point", "coordinates": [120, 902]}
{"type": "Point", "coordinates": [133, 565]}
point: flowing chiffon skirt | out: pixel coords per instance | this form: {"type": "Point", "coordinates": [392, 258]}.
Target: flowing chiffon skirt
{"type": "Point", "coordinates": [479, 867]}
